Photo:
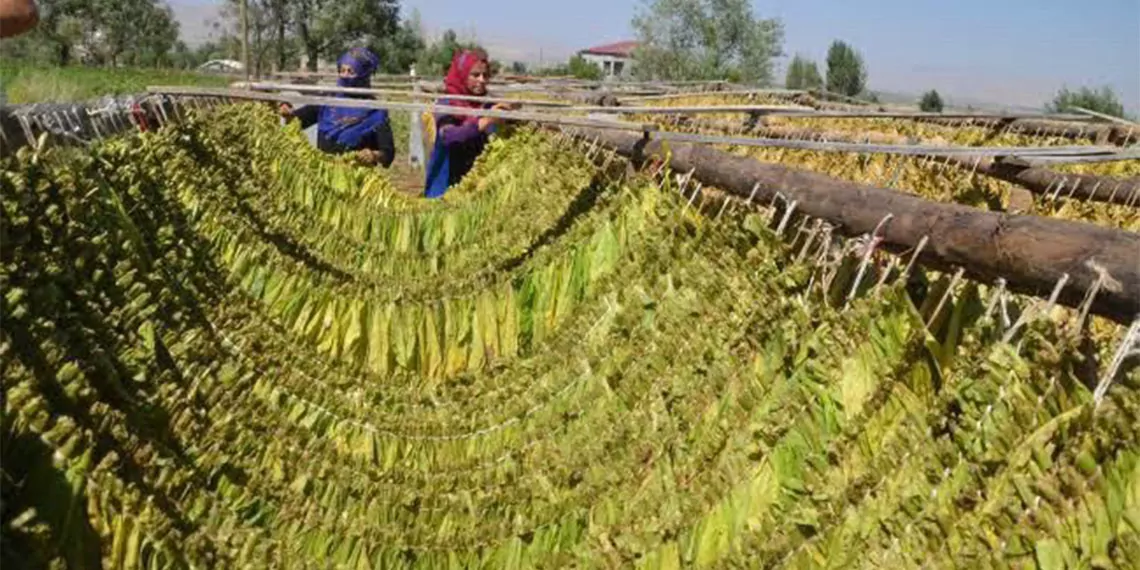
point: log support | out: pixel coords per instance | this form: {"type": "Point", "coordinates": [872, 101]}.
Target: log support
{"type": "Point", "coordinates": [1032, 253]}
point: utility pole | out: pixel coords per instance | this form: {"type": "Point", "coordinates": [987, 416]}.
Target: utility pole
{"type": "Point", "coordinates": [245, 37]}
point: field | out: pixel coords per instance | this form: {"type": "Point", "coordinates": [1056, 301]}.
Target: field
{"type": "Point", "coordinates": [223, 349]}
{"type": "Point", "coordinates": [34, 84]}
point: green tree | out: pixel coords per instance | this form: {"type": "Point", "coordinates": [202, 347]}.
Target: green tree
{"type": "Point", "coordinates": [803, 73]}
{"type": "Point", "coordinates": [112, 32]}
{"type": "Point", "coordinates": [1101, 100]}
{"type": "Point", "coordinates": [280, 19]}
{"type": "Point", "coordinates": [156, 34]}
{"type": "Point", "coordinates": [262, 26]}
{"type": "Point", "coordinates": [931, 102]}
{"type": "Point", "coordinates": [325, 28]}
{"type": "Point", "coordinates": [579, 68]}
{"type": "Point", "coordinates": [55, 39]}
{"type": "Point", "coordinates": [436, 59]}
{"type": "Point", "coordinates": [401, 49]}
{"type": "Point", "coordinates": [846, 74]}
{"type": "Point", "coordinates": [518, 68]}
{"type": "Point", "coordinates": [705, 39]}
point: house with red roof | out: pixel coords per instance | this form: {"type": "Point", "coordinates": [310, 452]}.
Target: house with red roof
{"type": "Point", "coordinates": [616, 59]}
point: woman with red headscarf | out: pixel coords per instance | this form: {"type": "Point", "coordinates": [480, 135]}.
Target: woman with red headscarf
{"type": "Point", "coordinates": [460, 139]}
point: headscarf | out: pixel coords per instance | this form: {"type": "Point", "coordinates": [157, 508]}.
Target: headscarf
{"type": "Point", "coordinates": [347, 126]}
{"type": "Point", "coordinates": [363, 63]}
{"type": "Point", "coordinates": [456, 80]}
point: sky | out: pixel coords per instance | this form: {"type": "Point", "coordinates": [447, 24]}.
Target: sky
{"type": "Point", "coordinates": [1013, 52]}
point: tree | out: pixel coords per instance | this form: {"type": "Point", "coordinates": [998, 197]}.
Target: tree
{"type": "Point", "coordinates": [846, 73]}
{"type": "Point", "coordinates": [280, 18]}
{"type": "Point", "coordinates": [1103, 100]}
{"type": "Point", "coordinates": [931, 102]}
{"type": "Point", "coordinates": [803, 74]}
{"type": "Point", "coordinates": [518, 68]}
{"type": "Point", "coordinates": [64, 27]}
{"type": "Point", "coordinates": [131, 32]}
{"type": "Point", "coordinates": [401, 49]}
{"type": "Point", "coordinates": [156, 33]}
{"type": "Point", "coordinates": [326, 28]}
{"type": "Point", "coordinates": [705, 39]}
{"type": "Point", "coordinates": [436, 60]}
{"type": "Point", "coordinates": [579, 68]}
{"type": "Point", "coordinates": [110, 32]}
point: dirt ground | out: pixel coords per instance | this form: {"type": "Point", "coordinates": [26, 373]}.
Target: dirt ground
{"type": "Point", "coordinates": [406, 178]}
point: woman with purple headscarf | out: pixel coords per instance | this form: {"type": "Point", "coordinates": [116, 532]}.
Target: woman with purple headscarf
{"type": "Point", "coordinates": [345, 129]}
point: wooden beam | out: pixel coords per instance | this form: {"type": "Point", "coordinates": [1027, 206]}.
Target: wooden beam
{"type": "Point", "coordinates": [803, 112]}
{"type": "Point", "coordinates": [744, 93]}
{"type": "Point", "coordinates": [705, 109]}
{"type": "Point", "coordinates": [541, 118]}
{"type": "Point", "coordinates": [1045, 182]}
{"type": "Point", "coordinates": [1100, 133]}
{"type": "Point", "coordinates": [1032, 253]}
{"type": "Point", "coordinates": [1020, 201]}
{"type": "Point", "coordinates": [332, 89]}
{"type": "Point", "coordinates": [1036, 179]}
{"type": "Point", "coordinates": [1104, 117]}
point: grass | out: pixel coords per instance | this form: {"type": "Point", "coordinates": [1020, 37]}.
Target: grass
{"type": "Point", "coordinates": [34, 84]}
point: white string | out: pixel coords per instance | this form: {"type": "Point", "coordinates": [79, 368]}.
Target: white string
{"type": "Point", "coordinates": [914, 256]}
{"type": "Point", "coordinates": [810, 239]}
{"type": "Point", "coordinates": [1092, 196]}
{"type": "Point", "coordinates": [1129, 347]}
{"type": "Point", "coordinates": [1112, 195]}
{"type": "Point", "coordinates": [1073, 190]}
{"type": "Point", "coordinates": [684, 181]}
{"type": "Point", "coordinates": [691, 198]}
{"type": "Point", "coordinates": [1060, 187]}
{"type": "Point", "coordinates": [1025, 315]}
{"type": "Point", "coordinates": [772, 205]}
{"type": "Point", "coordinates": [892, 265]}
{"type": "Point", "coordinates": [872, 243]}
{"type": "Point", "coordinates": [946, 296]}
{"type": "Point", "coordinates": [974, 169]}
{"type": "Point", "coordinates": [995, 297]}
{"type": "Point", "coordinates": [26, 126]}
{"type": "Point", "coordinates": [1103, 277]}
{"type": "Point", "coordinates": [755, 189]}
{"type": "Point", "coordinates": [787, 217]}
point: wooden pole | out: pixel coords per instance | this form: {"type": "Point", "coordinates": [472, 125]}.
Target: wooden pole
{"type": "Point", "coordinates": [1036, 179]}
{"type": "Point", "coordinates": [415, 93]}
{"type": "Point", "coordinates": [1100, 133]}
{"type": "Point", "coordinates": [1044, 182]}
{"type": "Point", "coordinates": [1032, 253]}
{"type": "Point", "coordinates": [297, 100]}
{"type": "Point", "coordinates": [599, 121]}
{"type": "Point", "coordinates": [1105, 117]}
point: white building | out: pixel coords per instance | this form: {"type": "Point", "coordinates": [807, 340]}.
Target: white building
{"type": "Point", "coordinates": [616, 59]}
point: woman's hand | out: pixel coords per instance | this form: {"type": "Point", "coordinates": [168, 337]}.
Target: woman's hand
{"type": "Point", "coordinates": [368, 157]}
{"type": "Point", "coordinates": [487, 122]}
